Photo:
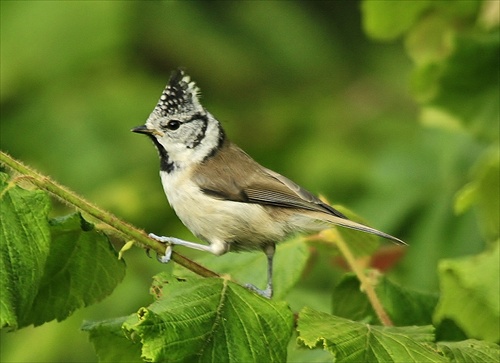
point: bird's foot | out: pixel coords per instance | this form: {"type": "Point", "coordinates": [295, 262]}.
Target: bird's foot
{"type": "Point", "coordinates": [168, 251]}
{"type": "Point", "coordinates": [267, 293]}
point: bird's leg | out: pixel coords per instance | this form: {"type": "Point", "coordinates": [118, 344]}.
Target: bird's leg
{"type": "Point", "coordinates": [219, 249]}
{"type": "Point", "coordinates": [268, 292]}
{"type": "Point", "coordinates": [215, 248]}
{"type": "Point", "coordinates": [269, 251]}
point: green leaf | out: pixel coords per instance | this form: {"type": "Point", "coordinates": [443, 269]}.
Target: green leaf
{"type": "Point", "coordinates": [430, 40]}
{"type": "Point", "coordinates": [469, 295]}
{"type": "Point", "coordinates": [211, 320]}
{"type": "Point", "coordinates": [457, 64]}
{"type": "Point", "coordinates": [110, 342]}
{"type": "Point", "coordinates": [49, 268]}
{"type": "Point", "coordinates": [24, 247]}
{"type": "Point", "coordinates": [470, 351]}
{"type": "Point", "coordinates": [389, 19]}
{"type": "Point", "coordinates": [403, 305]}
{"type": "Point", "coordinates": [82, 269]}
{"type": "Point", "coordinates": [251, 267]}
{"type": "Point", "coordinates": [350, 302]}
{"type": "Point", "coordinates": [484, 192]}
{"type": "Point", "coordinates": [465, 198]}
{"type": "Point", "coordinates": [464, 84]}
{"type": "Point", "coordinates": [351, 341]}
{"type": "Point", "coordinates": [468, 89]}
{"type": "Point", "coordinates": [488, 192]}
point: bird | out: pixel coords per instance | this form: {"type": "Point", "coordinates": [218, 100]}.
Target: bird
{"type": "Point", "coordinates": [220, 193]}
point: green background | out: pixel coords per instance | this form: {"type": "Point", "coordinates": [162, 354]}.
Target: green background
{"type": "Point", "coordinates": [296, 84]}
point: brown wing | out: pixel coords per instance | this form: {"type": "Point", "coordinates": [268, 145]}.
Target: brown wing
{"type": "Point", "coordinates": [231, 174]}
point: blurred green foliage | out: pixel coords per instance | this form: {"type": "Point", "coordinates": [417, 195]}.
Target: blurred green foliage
{"type": "Point", "coordinates": [394, 133]}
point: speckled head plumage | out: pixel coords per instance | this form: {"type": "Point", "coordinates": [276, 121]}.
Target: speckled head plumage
{"type": "Point", "coordinates": [183, 131]}
{"type": "Point", "coordinates": [180, 96]}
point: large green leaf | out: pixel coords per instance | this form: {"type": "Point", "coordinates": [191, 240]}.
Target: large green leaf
{"type": "Point", "coordinates": [469, 294]}
{"type": "Point", "coordinates": [351, 341]}
{"type": "Point", "coordinates": [211, 320]}
{"type": "Point", "coordinates": [24, 248]}
{"type": "Point", "coordinates": [82, 269]}
{"type": "Point", "coordinates": [49, 268]}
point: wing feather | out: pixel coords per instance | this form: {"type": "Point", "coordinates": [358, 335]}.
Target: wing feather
{"type": "Point", "coordinates": [233, 175]}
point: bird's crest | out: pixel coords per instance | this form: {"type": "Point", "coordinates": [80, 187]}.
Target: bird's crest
{"type": "Point", "coordinates": [181, 95]}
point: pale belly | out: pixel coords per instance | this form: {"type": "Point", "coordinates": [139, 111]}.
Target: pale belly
{"type": "Point", "coordinates": [242, 226]}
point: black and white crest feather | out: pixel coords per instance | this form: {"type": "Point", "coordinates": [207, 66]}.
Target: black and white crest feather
{"type": "Point", "coordinates": [179, 97]}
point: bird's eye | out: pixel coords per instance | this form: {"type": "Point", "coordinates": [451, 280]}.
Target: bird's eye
{"type": "Point", "coordinates": [173, 125]}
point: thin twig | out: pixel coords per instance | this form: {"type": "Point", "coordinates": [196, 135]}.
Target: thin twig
{"type": "Point", "coordinates": [127, 231]}
{"type": "Point", "coordinates": [366, 284]}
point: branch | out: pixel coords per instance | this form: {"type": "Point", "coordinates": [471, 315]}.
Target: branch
{"type": "Point", "coordinates": [127, 231]}
{"type": "Point", "coordinates": [335, 237]}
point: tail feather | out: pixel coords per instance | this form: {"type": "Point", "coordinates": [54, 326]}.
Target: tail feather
{"type": "Point", "coordinates": [343, 222]}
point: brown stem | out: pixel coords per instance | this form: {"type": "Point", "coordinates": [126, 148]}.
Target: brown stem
{"type": "Point", "coordinates": [366, 284]}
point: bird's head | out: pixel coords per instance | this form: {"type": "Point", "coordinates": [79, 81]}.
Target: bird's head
{"type": "Point", "coordinates": [180, 127]}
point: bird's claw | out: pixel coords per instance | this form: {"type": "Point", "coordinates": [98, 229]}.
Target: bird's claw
{"type": "Point", "coordinates": [168, 250]}
{"type": "Point", "coordinates": [264, 293]}
{"type": "Point", "coordinates": [167, 256]}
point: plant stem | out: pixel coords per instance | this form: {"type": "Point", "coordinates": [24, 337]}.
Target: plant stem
{"type": "Point", "coordinates": [126, 230]}
{"type": "Point", "coordinates": [366, 284]}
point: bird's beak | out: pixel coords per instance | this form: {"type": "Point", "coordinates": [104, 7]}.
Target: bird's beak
{"type": "Point", "coordinates": [143, 129]}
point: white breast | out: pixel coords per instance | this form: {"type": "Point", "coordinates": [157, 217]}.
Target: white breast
{"type": "Point", "coordinates": [242, 225]}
